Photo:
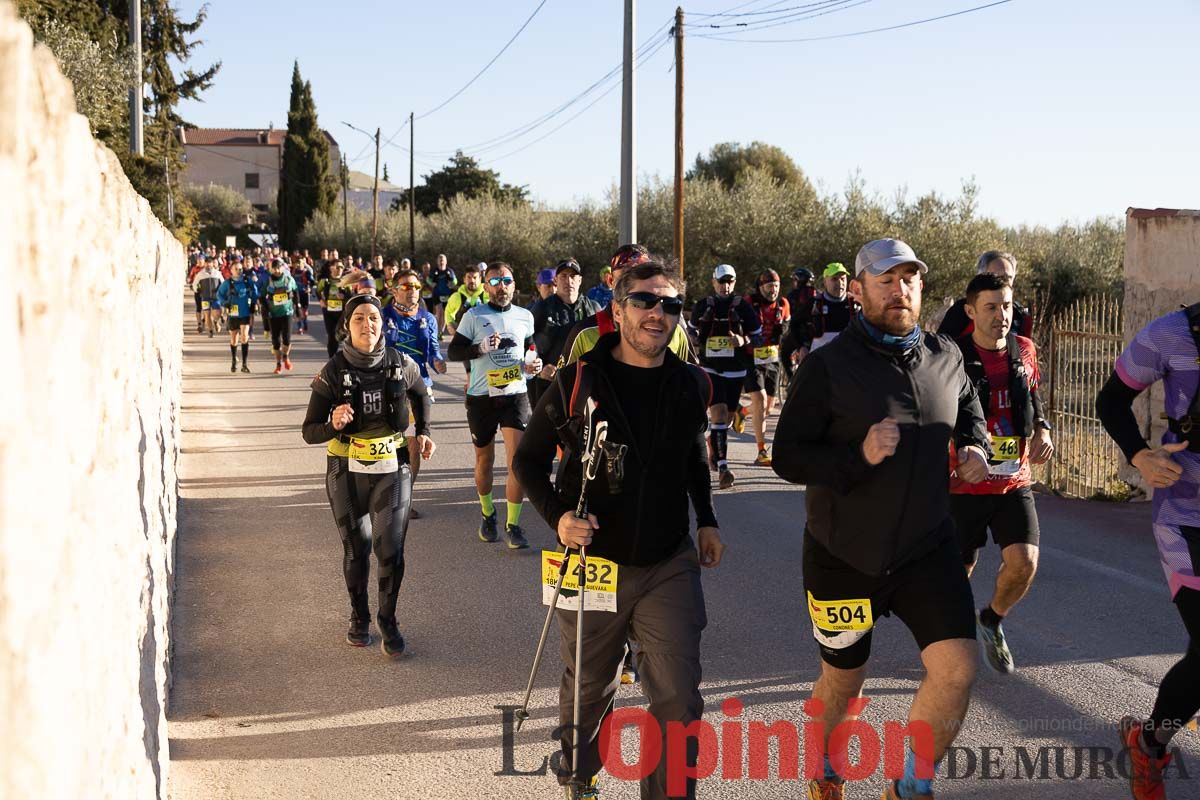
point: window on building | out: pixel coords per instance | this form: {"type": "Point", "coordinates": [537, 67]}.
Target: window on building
{"type": "Point", "coordinates": [251, 180]}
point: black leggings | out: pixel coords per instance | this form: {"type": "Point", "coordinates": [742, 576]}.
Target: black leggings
{"type": "Point", "coordinates": [1179, 693]}
{"type": "Point", "coordinates": [281, 332]}
{"type": "Point", "coordinates": [332, 319]}
{"type": "Point", "coordinates": [371, 512]}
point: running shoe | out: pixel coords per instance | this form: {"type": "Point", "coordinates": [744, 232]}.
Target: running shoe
{"type": "Point", "coordinates": [359, 634]}
{"type": "Point", "coordinates": [763, 460]}
{"type": "Point", "coordinates": [487, 529]}
{"type": "Point", "coordinates": [233, 367]}
{"type": "Point", "coordinates": [287, 363]}
{"type": "Point", "coordinates": [1145, 774]}
{"type": "Point", "coordinates": [413, 513]}
{"type": "Point", "coordinates": [278, 368]}
{"type": "Point", "coordinates": [245, 368]}
{"type": "Point", "coordinates": [994, 646]}
{"type": "Point", "coordinates": [890, 793]}
{"type": "Point", "coordinates": [826, 790]}
{"type": "Point", "coordinates": [390, 640]}
{"type": "Point", "coordinates": [515, 537]}
{"type": "Point", "coordinates": [726, 479]}
{"type": "Point", "coordinates": [739, 421]}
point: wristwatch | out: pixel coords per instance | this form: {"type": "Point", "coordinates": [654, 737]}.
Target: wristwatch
{"type": "Point", "coordinates": [1044, 424]}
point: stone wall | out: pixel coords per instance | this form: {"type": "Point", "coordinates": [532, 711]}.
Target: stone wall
{"type": "Point", "coordinates": [1162, 272]}
{"type": "Point", "coordinates": [91, 320]}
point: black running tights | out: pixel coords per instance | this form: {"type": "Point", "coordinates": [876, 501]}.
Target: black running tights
{"type": "Point", "coordinates": [371, 512]}
{"type": "Point", "coordinates": [1179, 693]}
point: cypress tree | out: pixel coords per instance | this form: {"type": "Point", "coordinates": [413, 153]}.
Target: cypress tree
{"type": "Point", "coordinates": [304, 179]}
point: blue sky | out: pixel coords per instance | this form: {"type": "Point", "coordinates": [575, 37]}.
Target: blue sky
{"type": "Point", "coordinates": [1061, 111]}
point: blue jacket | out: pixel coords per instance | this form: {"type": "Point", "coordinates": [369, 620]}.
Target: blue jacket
{"type": "Point", "coordinates": [601, 295]}
{"type": "Point", "coordinates": [238, 296]}
{"type": "Point", "coordinates": [415, 336]}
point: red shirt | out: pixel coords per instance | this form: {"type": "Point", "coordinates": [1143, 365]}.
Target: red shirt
{"type": "Point", "coordinates": [772, 316]}
{"type": "Point", "coordinates": [1004, 475]}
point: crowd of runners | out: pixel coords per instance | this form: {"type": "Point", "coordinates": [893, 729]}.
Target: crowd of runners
{"type": "Point", "coordinates": [615, 409]}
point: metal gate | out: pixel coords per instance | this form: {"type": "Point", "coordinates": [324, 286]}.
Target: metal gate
{"type": "Point", "coordinates": [1085, 340]}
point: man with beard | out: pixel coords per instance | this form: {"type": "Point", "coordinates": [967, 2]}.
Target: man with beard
{"type": "Point", "coordinates": [867, 426]}
{"type": "Point", "coordinates": [637, 525]}
{"type": "Point", "coordinates": [831, 310]}
{"type": "Point", "coordinates": [762, 380]}
{"type": "Point", "coordinates": [726, 328]}
{"type": "Point", "coordinates": [553, 318]}
{"type": "Point", "coordinates": [493, 337]}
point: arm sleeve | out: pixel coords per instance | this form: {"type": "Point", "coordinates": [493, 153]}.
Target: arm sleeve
{"type": "Point", "coordinates": [699, 483]}
{"type": "Point", "coordinates": [462, 349]}
{"type": "Point", "coordinates": [534, 459]}
{"type": "Point", "coordinates": [1114, 406]}
{"type": "Point", "coordinates": [317, 428]}
{"type": "Point", "coordinates": [751, 324]}
{"type": "Point", "coordinates": [418, 397]}
{"type": "Point", "coordinates": [800, 453]}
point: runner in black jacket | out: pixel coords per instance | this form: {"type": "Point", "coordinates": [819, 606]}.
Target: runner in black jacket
{"type": "Point", "coordinates": [867, 426]}
{"type": "Point", "coordinates": [654, 461]}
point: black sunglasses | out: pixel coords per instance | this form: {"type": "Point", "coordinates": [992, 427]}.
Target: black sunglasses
{"type": "Point", "coordinates": [726, 279]}
{"type": "Point", "coordinates": [648, 300]}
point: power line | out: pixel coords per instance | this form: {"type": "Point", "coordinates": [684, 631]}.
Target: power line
{"type": "Point", "coordinates": [641, 60]}
{"type": "Point", "coordinates": [728, 12]}
{"type": "Point", "coordinates": [516, 133]}
{"type": "Point", "coordinates": [730, 37]}
{"type": "Point", "coordinates": [832, 7]}
{"type": "Point", "coordinates": [759, 13]}
{"type": "Point", "coordinates": [447, 101]}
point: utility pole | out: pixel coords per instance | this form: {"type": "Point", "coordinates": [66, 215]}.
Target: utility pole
{"type": "Point", "coordinates": [136, 142]}
{"type": "Point", "coordinates": [628, 150]}
{"type": "Point", "coordinates": [345, 207]}
{"type": "Point", "coordinates": [679, 140]}
{"type": "Point", "coordinates": [170, 196]}
{"type": "Point", "coordinates": [375, 199]}
{"type": "Point", "coordinates": [412, 194]}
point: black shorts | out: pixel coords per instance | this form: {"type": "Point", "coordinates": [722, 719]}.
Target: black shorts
{"type": "Point", "coordinates": [197, 295]}
{"type": "Point", "coordinates": [930, 595]}
{"type": "Point", "coordinates": [302, 295]}
{"type": "Point", "coordinates": [725, 391]}
{"type": "Point", "coordinates": [760, 377]}
{"type": "Point", "coordinates": [1011, 516]}
{"type": "Point", "coordinates": [237, 322]}
{"type": "Point", "coordinates": [431, 302]}
{"type": "Point", "coordinates": [486, 414]}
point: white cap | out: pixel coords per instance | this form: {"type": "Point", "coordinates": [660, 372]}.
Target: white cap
{"type": "Point", "coordinates": [481, 266]}
{"type": "Point", "coordinates": [724, 271]}
{"type": "Point", "coordinates": [881, 255]}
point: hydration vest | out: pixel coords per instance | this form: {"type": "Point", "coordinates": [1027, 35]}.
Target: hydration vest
{"type": "Point", "coordinates": [1024, 402]}
{"type": "Point", "coordinates": [1187, 427]}
{"type": "Point", "coordinates": [377, 396]}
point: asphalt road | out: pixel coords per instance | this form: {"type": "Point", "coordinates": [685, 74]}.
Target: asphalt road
{"type": "Point", "coordinates": [269, 702]}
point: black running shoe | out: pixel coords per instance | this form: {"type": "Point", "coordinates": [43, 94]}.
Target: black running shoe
{"type": "Point", "coordinates": [391, 642]}
{"type": "Point", "coordinates": [589, 792]}
{"type": "Point", "coordinates": [233, 367]}
{"type": "Point", "coordinates": [487, 529]}
{"type": "Point", "coordinates": [515, 537]}
{"type": "Point", "coordinates": [359, 634]}
{"type": "Point", "coordinates": [245, 368]}
{"type": "Point", "coordinates": [413, 513]}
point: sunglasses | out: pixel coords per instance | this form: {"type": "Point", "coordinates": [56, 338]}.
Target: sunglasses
{"type": "Point", "coordinates": [648, 300]}
{"type": "Point", "coordinates": [728, 279]}
{"type": "Point", "coordinates": [408, 286]}
{"type": "Point", "coordinates": [500, 279]}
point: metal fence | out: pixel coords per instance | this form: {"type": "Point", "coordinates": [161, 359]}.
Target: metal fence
{"type": "Point", "coordinates": [1084, 341]}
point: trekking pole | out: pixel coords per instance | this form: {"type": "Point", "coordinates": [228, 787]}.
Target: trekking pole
{"type": "Point", "coordinates": [590, 468]}
{"type": "Point", "coordinates": [588, 474]}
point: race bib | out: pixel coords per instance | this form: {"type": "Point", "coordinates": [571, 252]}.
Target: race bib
{"type": "Point", "coordinates": [333, 304]}
{"type": "Point", "coordinates": [766, 355]}
{"type": "Point", "coordinates": [840, 615]}
{"type": "Point", "coordinates": [205, 305]}
{"type": "Point", "coordinates": [505, 381]}
{"type": "Point", "coordinates": [601, 582]}
{"type": "Point", "coordinates": [279, 298]}
{"type": "Point", "coordinates": [718, 347]}
{"type": "Point", "coordinates": [1006, 456]}
{"type": "Point", "coordinates": [373, 456]}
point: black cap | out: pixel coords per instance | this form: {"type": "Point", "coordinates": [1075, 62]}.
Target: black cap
{"type": "Point", "coordinates": [568, 263]}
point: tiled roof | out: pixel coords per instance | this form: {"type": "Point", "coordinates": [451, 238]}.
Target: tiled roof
{"type": "Point", "coordinates": [241, 137]}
